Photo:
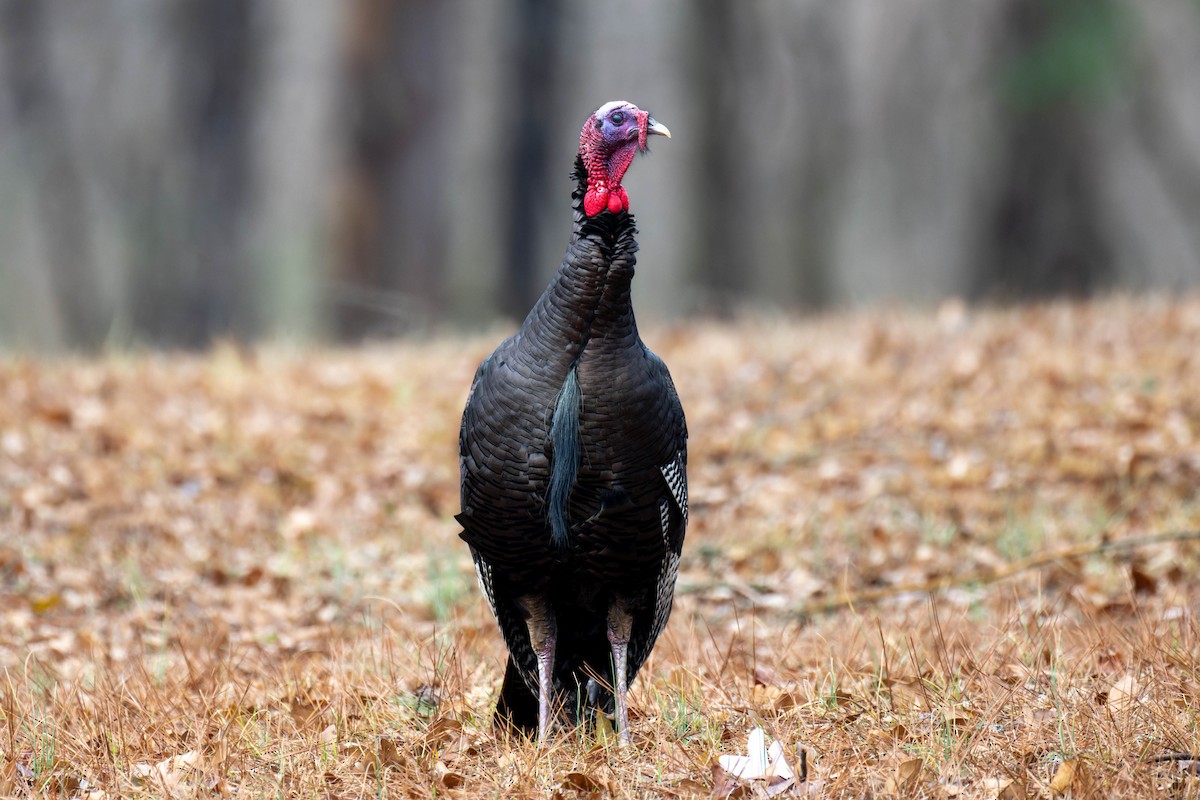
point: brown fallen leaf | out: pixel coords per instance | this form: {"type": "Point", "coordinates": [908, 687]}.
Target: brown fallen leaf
{"type": "Point", "coordinates": [887, 738]}
{"type": "Point", "coordinates": [1015, 790]}
{"type": "Point", "coordinates": [1012, 673]}
{"type": "Point", "coordinates": [442, 729]}
{"type": "Point", "coordinates": [447, 777]}
{"type": "Point", "coordinates": [1004, 789]}
{"type": "Point", "coordinates": [906, 777]}
{"type": "Point", "coordinates": [59, 415]}
{"type": "Point", "coordinates": [387, 753]}
{"type": "Point", "coordinates": [372, 759]}
{"type": "Point", "coordinates": [170, 773]}
{"type": "Point", "coordinates": [1071, 776]}
{"type": "Point", "coordinates": [689, 787]}
{"type": "Point", "coordinates": [582, 782]}
{"type": "Point", "coordinates": [1143, 582]}
{"type": "Point", "coordinates": [727, 785]}
{"type": "Point", "coordinates": [307, 712]}
{"type": "Point", "coordinates": [356, 756]}
{"type": "Point", "coordinates": [775, 699]}
{"type": "Point", "coordinates": [958, 718]}
{"type": "Point", "coordinates": [1123, 694]}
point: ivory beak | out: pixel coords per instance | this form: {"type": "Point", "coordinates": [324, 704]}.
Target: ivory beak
{"type": "Point", "coordinates": [654, 126]}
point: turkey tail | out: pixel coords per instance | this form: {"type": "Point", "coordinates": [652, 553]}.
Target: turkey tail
{"type": "Point", "coordinates": [564, 435]}
{"type": "Point", "coordinates": [517, 708]}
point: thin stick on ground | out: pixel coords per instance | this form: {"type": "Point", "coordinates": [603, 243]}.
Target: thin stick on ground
{"type": "Point", "coordinates": [992, 575]}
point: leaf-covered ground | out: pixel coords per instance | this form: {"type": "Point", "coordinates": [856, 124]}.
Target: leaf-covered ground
{"type": "Point", "coordinates": [237, 574]}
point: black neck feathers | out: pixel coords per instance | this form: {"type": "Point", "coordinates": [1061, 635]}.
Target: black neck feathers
{"type": "Point", "coordinates": [613, 233]}
{"type": "Point", "coordinates": [589, 296]}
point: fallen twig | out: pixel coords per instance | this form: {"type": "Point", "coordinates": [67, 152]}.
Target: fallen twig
{"type": "Point", "coordinates": [984, 576]}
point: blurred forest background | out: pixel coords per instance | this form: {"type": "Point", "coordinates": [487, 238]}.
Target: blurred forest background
{"type": "Point", "coordinates": [177, 170]}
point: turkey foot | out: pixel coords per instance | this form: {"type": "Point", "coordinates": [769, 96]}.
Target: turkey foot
{"type": "Point", "coordinates": [542, 636]}
{"type": "Point", "coordinates": [620, 623]}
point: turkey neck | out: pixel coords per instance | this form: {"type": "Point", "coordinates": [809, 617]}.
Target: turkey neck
{"type": "Point", "coordinates": [588, 299]}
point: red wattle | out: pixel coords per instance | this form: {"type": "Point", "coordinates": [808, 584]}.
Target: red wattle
{"type": "Point", "coordinates": [599, 197]}
{"type": "Point", "coordinates": [594, 201]}
{"type": "Point", "coordinates": [619, 192]}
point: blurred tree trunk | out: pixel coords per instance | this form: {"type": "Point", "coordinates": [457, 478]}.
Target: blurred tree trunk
{"type": "Point", "coordinates": [800, 130]}
{"type": "Point", "coordinates": [215, 96]}
{"type": "Point", "coordinates": [294, 141]}
{"type": "Point", "coordinates": [1046, 234]}
{"type": "Point", "coordinates": [1150, 139]}
{"type": "Point", "coordinates": [536, 32]}
{"type": "Point", "coordinates": [53, 174]}
{"type": "Point", "coordinates": [389, 218]}
{"type": "Point", "coordinates": [719, 253]}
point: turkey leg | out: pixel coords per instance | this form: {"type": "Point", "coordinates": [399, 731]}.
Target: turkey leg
{"type": "Point", "coordinates": [620, 623]}
{"type": "Point", "coordinates": [543, 634]}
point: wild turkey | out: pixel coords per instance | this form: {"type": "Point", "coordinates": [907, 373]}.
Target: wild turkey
{"type": "Point", "coordinates": [573, 458]}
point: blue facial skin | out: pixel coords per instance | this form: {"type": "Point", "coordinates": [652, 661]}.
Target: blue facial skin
{"type": "Point", "coordinates": [619, 126]}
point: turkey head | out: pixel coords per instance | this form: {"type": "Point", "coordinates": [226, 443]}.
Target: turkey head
{"type": "Point", "coordinates": [607, 144]}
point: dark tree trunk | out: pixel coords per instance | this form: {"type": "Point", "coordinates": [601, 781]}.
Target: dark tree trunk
{"type": "Point", "coordinates": [389, 226]}
{"type": "Point", "coordinates": [719, 254]}
{"type": "Point", "coordinates": [191, 277]}
{"type": "Point", "coordinates": [1046, 236]}
{"type": "Point", "coordinates": [537, 30]}
{"type": "Point", "coordinates": [56, 178]}
{"type": "Point", "coordinates": [217, 94]}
